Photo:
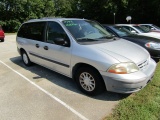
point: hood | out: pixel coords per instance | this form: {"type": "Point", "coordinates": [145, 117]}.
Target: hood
{"type": "Point", "coordinates": [140, 38]}
{"type": "Point", "coordinates": [123, 51]}
{"type": "Point", "coordinates": [151, 34]}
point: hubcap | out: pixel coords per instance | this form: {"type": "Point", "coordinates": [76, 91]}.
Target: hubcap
{"type": "Point", "coordinates": [87, 81]}
{"type": "Point", "coordinates": [25, 58]}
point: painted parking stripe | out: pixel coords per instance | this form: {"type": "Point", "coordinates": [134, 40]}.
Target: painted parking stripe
{"type": "Point", "coordinates": [49, 94]}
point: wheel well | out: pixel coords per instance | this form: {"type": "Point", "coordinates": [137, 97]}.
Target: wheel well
{"type": "Point", "coordinates": [79, 65]}
{"type": "Point", "coordinates": [21, 50]}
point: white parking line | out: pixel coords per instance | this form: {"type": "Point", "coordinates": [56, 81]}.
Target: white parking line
{"type": "Point", "coordinates": [49, 94]}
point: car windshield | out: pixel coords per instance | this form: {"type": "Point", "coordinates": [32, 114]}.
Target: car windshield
{"type": "Point", "coordinates": [121, 31]}
{"type": "Point", "coordinates": [145, 28]}
{"type": "Point", "coordinates": [141, 29]}
{"type": "Point", "coordinates": [86, 30]}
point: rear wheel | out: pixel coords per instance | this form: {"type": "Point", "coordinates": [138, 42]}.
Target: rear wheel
{"type": "Point", "coordinates": [89, 81]}
{"type": "Point", "coordinates": [26, 59]}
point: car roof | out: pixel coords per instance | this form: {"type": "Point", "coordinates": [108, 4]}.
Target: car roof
{"type": "Point", "coordinates": [127, 24]}
{"type": "Point", "coordinates": [146, 24]}
{"type": "Point", "coordinates": [52, 18]}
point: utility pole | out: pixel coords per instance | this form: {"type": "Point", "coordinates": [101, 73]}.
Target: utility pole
{"type": "Point", "coordinates": [114, 17]}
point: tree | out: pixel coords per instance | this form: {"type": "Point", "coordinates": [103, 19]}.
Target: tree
{"type": "Point", "coordinates": [15, 12]}
{"type": "Point", "coordinates": [63, 7]}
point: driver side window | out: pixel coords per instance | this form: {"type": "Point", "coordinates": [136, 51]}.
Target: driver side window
{"type": "Point", "coordinates": [110, 32]}
{"type": "Point", "coordinates": [54, 30]}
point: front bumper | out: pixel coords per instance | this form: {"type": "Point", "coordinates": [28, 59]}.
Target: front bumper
{"type": "Point", "coordinates": [155, 54]}
{"type": "Point", "coordinates": [1, 37]}
{"type": "Point", "coordinates": [129, 83]}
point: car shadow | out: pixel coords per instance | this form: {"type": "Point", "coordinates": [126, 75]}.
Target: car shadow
{"type": "Point", "coordinates": [63, 81]}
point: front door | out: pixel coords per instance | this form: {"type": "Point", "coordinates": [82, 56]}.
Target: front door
{"type": "Point", "coordinates": [56, 57]}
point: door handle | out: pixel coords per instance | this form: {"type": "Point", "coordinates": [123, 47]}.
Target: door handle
{"type": "Point", "coordinates": [46, 47]}
{"type": "Point", "coordinates": [37, 45]}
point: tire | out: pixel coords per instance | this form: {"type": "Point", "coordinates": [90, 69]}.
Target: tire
{"type": "Point", "coordinates": [89, 81]}
{"type": "Point", "coordinates": [156, 60]}
{"type": "Point", "coordinates": [2, 40]}
{"type": "Point", "coordinates": [26, 59]}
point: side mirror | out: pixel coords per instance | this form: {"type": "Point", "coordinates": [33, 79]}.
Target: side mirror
{"type": "Point", "coordinates": [59, 41]}
{"type": "Point", "coordinates": [133, 31]}
{"type": "Point", "coordinates": [152, 29]}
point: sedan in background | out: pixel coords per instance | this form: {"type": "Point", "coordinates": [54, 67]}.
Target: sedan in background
{"type": "Point", "coordinates": [137, 29]}
{"type": "Point", "coordinates": [150, 26]}
{"type": "Point", "coordinates": [1, 34]}
{"type": "Point", "coordinates": [149, 43]}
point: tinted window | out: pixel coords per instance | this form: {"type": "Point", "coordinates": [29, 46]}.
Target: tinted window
{"type": "Point", "coordinates": [33, 31]}
{"type": "Point", "coordinates": [54, 30]}
{"type": "Point", "coordinates": [109, 31]}
{"type": "Point", "coordinates": [121, 31]}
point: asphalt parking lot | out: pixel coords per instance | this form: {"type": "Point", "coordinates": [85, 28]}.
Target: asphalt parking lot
{"type": "Point", "coordinates": [37, 93]}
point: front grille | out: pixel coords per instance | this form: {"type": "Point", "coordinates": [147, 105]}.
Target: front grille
{"type": "Point", "coordinates": [143, 65]}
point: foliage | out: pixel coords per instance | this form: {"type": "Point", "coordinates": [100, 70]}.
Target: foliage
{"type": "Point", "coordinates": [62, 7]}
{"type": "Point", "coordinates": [18, 11]}
{"type": "Point", "coordinates": [12, 25]}
{"type": "Point", "coordinates": [15, 12]}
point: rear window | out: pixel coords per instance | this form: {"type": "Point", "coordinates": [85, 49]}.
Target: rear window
{"type": "Point", "coordinates": [33, 31]}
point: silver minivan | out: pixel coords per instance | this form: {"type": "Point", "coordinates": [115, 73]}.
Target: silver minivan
{"type": "Point", "coordinates": [83, 50]}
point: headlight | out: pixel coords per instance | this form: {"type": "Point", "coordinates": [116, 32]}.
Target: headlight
{"type": "Point", "coordinates": [153, 45]}
{"type": "Point", "coordinates": [123, 68]}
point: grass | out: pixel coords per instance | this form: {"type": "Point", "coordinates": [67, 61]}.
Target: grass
{"type": "Point", "coordinates": [143, 105]}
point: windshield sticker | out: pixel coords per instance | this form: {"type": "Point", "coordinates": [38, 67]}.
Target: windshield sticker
{"type": "Point", "coordinates": [69, 23]}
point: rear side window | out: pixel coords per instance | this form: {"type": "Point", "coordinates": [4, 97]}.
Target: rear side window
{"type": "Point", "coordinates": [33, 31]}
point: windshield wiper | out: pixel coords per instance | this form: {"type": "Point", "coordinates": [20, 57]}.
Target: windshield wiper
{"type": "Point", "coordinates": [86, 39]}
{"type": "Point", "coordinates": [106, 37]}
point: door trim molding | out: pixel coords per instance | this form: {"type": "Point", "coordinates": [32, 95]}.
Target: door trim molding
{"type": "Point", "coordinates": [56, 62]}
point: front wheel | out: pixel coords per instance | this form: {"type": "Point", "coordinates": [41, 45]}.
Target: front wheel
{"type": "Point", "coordinates": [2, 40]}
{"type": "Point", "coordinates": [26, 59]}
{"type": "Point", "coordinates": [89, 81]}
